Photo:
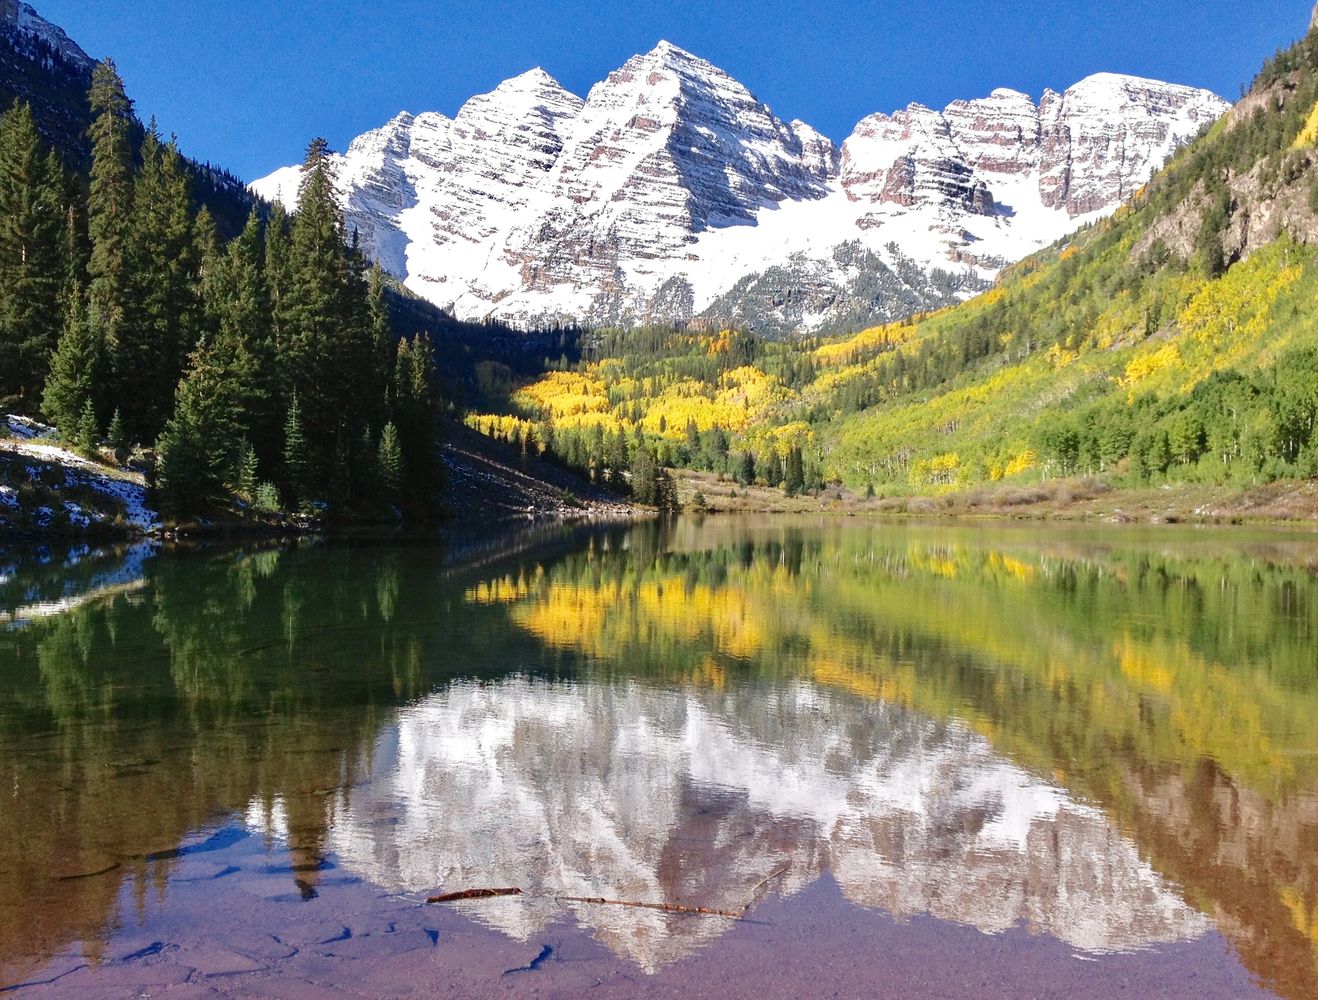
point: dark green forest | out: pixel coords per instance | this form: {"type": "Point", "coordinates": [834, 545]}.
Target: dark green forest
{"type": "Point", "coordinates": [263, 369]}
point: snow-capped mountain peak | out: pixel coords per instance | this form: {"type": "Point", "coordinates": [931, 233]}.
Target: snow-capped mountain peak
{"type": "Point", "coordinates": [536, 78]}
{"type": "Point", "coordinates": [672, 192]}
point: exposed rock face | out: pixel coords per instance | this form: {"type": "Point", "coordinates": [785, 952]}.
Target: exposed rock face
{"type": "Point", "coordinates": [910, 159]}
{"type": "Point", "coordinates": [671, 187]}
{"type": "Point", "coordinates": [23, 23]}
{"type": "Point", "coordinates": [1262, 208]}
{"type": "Point", "coordinates": [1102, 139]}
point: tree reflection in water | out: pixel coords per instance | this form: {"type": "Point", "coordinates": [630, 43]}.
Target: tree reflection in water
{"type": "Point", "coordinates": [1105, 735]}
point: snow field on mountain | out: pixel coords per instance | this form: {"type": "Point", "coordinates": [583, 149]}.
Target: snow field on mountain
{"type": "Point", "coordinates": [671, 182]}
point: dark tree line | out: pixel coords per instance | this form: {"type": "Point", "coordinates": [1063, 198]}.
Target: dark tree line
{"type": "Point", "coordinates": [264, 368]}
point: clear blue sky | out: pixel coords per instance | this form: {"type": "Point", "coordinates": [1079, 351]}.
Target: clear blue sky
{"type": "Point", "coordinates": [245, 83]}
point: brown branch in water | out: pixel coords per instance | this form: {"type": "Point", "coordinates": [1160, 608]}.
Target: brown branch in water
{"type": "Point", "coordinates": [755, 889]}
{"type": "Point", "coordinates": [102, 871]}
{"type": "Point", "coordinates": [666, 907]}
{"type": "Point", "coordinates": [454, 897]}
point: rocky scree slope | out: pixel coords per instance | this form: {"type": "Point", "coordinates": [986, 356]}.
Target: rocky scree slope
{"type": "Point", "coordinates": [672, 194]}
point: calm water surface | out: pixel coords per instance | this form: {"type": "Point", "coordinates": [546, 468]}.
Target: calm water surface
{"type": "Point", "coordinates": [926, 760]}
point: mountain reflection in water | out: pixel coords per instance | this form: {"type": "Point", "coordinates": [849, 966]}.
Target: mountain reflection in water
{"type": "Point", "coordinates": [698, 797]}
{"type": "Point", "coordinates": [1105, 736]}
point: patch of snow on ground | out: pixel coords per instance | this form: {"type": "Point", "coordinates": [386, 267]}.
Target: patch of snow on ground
{"type": "Point", "coordinates": [132, 496]}
{"type": "Point", "coordinates": [26, 427]}
{"type": "Point", "coordinates": [78, 517]}
{"type": "Point", "coordinates": [128, 489]}
{"type": "Point", "coordinates": [50, 453]}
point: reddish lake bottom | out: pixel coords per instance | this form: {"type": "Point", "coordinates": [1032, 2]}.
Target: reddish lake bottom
{"type": "Point", "coordinates": [237, 922]}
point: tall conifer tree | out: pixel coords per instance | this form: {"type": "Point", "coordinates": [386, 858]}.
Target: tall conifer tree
{"type": "Point", "coordinates": [316, 312]}
{"type": "Point", "coordinates": [238, 304]}
{"type": "Point", "coordinates": [109, 203]}
{"type": "Point", "coordinates": [76, 368]}
{"type": "Point", "coordinates": [31, 217]}
{"type": "Point", "coordinates": [161, 317]}
{"type": "Point", "coordinates": [201, 445]}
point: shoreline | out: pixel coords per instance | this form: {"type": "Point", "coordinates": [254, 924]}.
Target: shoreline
{"type": "Point", "coordinates": [50, 494]}
{"type": "Point", "coordinates": [1090, 501]}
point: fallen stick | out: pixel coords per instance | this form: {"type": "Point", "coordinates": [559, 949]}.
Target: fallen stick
{"type": "Point", "coordinates": [666, 907]}
{"type": "Point", "coordinates": [454, 897]}
{"type": "Point", "coordinates": [755, 890]}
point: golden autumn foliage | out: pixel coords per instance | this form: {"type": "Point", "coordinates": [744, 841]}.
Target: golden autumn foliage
{"type": "Point", "coordinates": [864, 344]}
{"type": "Point", "coordinates": [1309, 134]}
{"type": "Point", "coordinates": [563, 394]}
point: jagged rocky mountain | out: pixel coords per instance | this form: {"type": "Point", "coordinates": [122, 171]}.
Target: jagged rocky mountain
{"type": "Point", "coordinates": [672, 193]}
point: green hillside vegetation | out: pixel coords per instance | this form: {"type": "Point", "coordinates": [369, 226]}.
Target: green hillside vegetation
{"type": "Point", "coordinates": [1175, 341]}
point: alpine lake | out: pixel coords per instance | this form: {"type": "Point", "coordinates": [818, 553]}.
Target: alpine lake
{"type": "Point", "coordinates": [896, 759]}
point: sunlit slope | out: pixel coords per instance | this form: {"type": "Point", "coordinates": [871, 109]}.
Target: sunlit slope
{"type": "Point", "coordinates": [1149, 344]}
{"type": "Point", "coordinates": [1177, 340]}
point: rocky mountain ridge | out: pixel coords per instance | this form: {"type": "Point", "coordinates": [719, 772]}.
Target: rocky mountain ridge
{"type": "Point", "coordinates": [671, 193]}
{"type": "Point", "coordinates": [21, 20]}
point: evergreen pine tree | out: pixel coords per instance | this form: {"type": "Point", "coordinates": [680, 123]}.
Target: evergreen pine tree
{"type": "Point", "coordinates": [248, 468]}
{"type": "Point", "coordinates": [328, 357]}
{"type": "Point", "coordinates": [617, 459]}
{"type": "Point", "coordinates": [75, 367]}
{"type": "Point", "coordinates": [665, 492]}
{"type": "Point", "coordinates": [89, 430]}
{"type": "Point", "coordinates": [278, 282]}
{"type": "Point", "coordinates": [367, 469]}
{"type": "Point", "coordinates": [598, 454]}
{"type": "Point", "coordinates": [200, 444]}
{"type": "Point", "coordinates": [31, 238]}
{"type": "Point", "coordinates": [109, 204]}
{"type": "Point", "coordinates": [267, 497]}
{"type": "Point", "coordinates": [162, 317]}
{"type": "Point", "coordinates": [238, 308]}
{"type": "Point", "coordinates": [182, 483]}
{"type": "Point", "coordinates": [316, 363]}
{"type": "Point", "coordinates": [295, 456]}
{"type": "Point", "coordinates": [118, 435]}
{"type": "Point", "coordinates": [414, 414]}
{"type": "Point", "coordinates": [745, 468]}
{"type": "Point", "coordinates": [73, 243]}
{"type": "Point", "coordinates": [794, 471]}
{"type": "Point", "coordinates": [382, 338]}
{"type": "Point", "coordinates": [390, 462]}
{"type": "Point", "coordinates": [645, 477]}
{"type": "Point", "coordinates": [693, 443]}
